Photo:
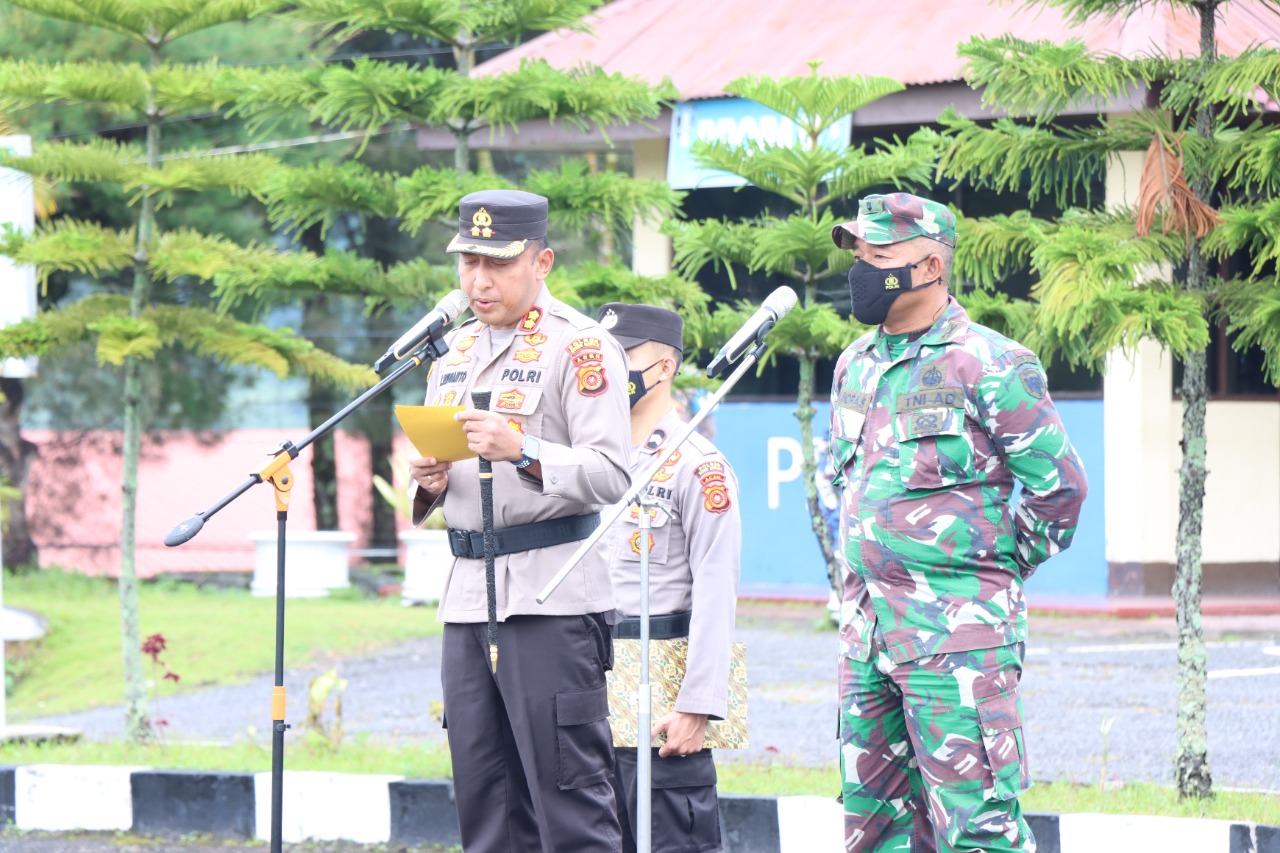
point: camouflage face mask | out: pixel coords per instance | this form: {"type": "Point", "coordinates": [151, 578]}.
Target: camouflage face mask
{"type": "Point", "coordinates": [872, 289]}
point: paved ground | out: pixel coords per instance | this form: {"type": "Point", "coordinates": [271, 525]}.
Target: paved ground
{"type": "Point", "coordinates": [1081, 672]}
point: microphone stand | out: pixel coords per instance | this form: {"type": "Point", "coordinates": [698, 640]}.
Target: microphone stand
{"type": "Point", "coordinates": [278, 474]}
{"type": "Point", "coordinates": [644, 695]}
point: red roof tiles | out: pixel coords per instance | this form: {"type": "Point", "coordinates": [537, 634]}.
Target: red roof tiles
{"type": "Point", "coordinates": [703, 44]}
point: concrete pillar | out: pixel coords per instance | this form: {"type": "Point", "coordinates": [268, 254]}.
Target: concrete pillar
{"type": "Point", "coordinates": [652, 249]}
{"type": "Point", "coordinates": [1140, 480]}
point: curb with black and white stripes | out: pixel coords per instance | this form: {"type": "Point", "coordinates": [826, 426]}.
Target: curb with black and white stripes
{"type": "Point", "coordinates": [380, 809]}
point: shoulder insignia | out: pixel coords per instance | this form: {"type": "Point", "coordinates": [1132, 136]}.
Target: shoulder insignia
{"type": "Point", "coordinates": [531, 320]}
{"type": "Point", "coordinates": [715, 495]}
{"type": "Point", "coordinates": [589, 362]}
{"type": "Point", "coordinates": [708, 468]}
{"type": "Point", "coordinates": [1032, 380]}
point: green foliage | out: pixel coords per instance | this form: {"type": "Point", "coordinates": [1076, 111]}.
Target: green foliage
{"type": "Point", "coordinates": [715, 242]}
{"type": "Point", "coordinates": [145, 20]}
{"type": "Point", "coordinates": [1041, 78]}
{"type": "Point", "coordinates": [589, 285]}
{"type": "Point", "coordinates": [119, 336]}
{"type": "Point", "coordinates": [815, 102]}
{"type": "Point", "coordinates": [1056, 161]}
{"type": "Point", "coordinates": [449, 21]}
{"type": "Point", "coordinates": [1246, 159]}
{"type": "Point", "coordinates": [369, 94]}
{"type": "Point", "coordinates": [119, 87]}
{"type": "Point", "coordinates": [579, 199]}
{"type": "Point", "coordinates": [430, 195]}
{"type": "Point", "coordinates": [66, 244]}
{"type": "Point", "coordinates": [317, 194]}
{"type": "Point", "coordinates": [1251, 310]}
{"type": "Point", "coordinates": [1254, 228]}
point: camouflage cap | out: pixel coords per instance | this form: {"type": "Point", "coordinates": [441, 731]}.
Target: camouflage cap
{"type": "Point", "coordinates": [498, 223]}
{"type": "Point", "coordinates": [892, 218]}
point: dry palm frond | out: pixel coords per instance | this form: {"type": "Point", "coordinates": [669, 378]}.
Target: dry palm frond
{"type": "Point", "coordinates": [1163, 189]}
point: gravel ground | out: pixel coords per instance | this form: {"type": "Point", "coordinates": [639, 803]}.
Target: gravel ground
{"type": "Point", "coordinates": [1080, 673]}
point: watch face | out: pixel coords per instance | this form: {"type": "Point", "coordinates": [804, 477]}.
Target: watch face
{"type": "Point", "coordinates": [530, 448]}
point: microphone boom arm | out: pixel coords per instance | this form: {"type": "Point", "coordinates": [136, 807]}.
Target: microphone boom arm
{"type": "Point", "coordinates": [642, 480]}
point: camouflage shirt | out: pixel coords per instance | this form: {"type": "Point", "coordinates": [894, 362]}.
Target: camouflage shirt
{"type": "Point", "coordinates": [926, 447]}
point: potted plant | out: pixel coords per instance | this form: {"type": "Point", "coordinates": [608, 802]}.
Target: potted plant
{"type": "Point", "coordinates": [426, 548]}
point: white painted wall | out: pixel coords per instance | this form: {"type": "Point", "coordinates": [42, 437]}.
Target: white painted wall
{"type": "Point", "coordinates": [1242, 491]}
{"type": "Point", "coordinates": [652, 250]}
{"type": "Point", "coordinates": [1142, 424]}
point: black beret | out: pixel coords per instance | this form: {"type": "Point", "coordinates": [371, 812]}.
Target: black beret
{"type": "Point", "coordinates": [633, 325]}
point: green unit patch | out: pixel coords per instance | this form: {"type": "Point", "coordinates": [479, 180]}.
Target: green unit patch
{"type": "Point", "coordinates": [1032, 380]}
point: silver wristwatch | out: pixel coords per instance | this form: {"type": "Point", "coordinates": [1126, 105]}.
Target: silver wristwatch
{"type": "Point", "coordinates": [530, 449]}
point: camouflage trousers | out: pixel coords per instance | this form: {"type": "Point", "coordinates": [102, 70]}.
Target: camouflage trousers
{"type": "Point", "coordinates": [931, 752]}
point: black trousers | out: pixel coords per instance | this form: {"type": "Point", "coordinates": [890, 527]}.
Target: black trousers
{"type": "Point", "coordinates": [531, 747]}
{"type": "Point", "coordinates": [685, 809]}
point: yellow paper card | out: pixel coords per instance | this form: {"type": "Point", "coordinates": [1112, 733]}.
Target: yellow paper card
{"type": "Point", "coordinates": [434, 432]}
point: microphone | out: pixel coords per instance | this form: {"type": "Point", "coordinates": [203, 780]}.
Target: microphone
{"type": "Point", "coordinates": [774, 308]}
{"type": "Point", "coordinates": [427, 329]}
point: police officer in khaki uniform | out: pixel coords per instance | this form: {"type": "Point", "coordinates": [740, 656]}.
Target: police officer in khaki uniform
{"type": "Point", "coordinates": [531, 745]}
{"type": "Point", "coordinates": [694, 563]}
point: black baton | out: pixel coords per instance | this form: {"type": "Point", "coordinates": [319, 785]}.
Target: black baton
{"type": "Point", "coordinates": [480, 399]}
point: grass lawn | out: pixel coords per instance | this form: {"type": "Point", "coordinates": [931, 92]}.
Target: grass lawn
{"type": "Point", "coordinates": [213, 636]}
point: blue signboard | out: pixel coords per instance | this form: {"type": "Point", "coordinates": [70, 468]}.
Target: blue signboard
{"type": "Point", "coordinates": [780, 554]}
{"type": "Point", "coordinates": [736, 121]}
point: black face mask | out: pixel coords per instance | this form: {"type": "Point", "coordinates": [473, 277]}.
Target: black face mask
{"type": "Point", "coordinates": [635, 383]}
{"type": "Point", "coordinates": [873, 289]}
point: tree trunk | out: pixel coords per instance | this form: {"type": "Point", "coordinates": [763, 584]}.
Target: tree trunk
{"type": "Point", "coordinates": [1191, 760]}
{"type": "Point", "coordinates": [464, 57]}
{"type": "Point", "coordinates": [16, 456]}
{"type": "Point", "coordinates": [137, 725]}
{"type": "Point", "coordinates": [320, 407]}
{"type": "Point", "coordinates": [383, 535]}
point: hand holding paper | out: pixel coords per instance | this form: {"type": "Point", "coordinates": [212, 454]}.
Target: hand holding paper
{"type": "Point", "coordinates": [434, 432]}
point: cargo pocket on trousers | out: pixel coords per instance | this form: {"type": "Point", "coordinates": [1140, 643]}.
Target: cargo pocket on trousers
{"type": "Point", "coordinates": [1001, 720]}
{"type": "Point", "coordinates": [584, 746]}
{"type": "Point", "coordinates": [684, 800]}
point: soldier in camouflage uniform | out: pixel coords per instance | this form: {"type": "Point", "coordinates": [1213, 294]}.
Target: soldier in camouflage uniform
{"type": "Point", "coordinates": [933, 418]}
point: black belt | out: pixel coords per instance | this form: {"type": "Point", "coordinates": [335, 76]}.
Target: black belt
{"type": "Point", "coordinates": [524, 537]}
{"type": "Point", "coordinates": [665, 627]}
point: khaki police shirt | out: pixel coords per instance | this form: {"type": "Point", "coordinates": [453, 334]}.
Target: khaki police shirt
{"type": "Point", "coordinates": [694, 560]}
{"type": "Point", "coordinates": [562, 379]}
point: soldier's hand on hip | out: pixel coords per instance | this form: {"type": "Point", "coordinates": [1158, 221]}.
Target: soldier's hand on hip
{"type": "Point", "coordinates": [685, 733]}
{"type": "Point", "coordinates": [489, 434]}
{"type": "Point", "coordinates": [430, 474]}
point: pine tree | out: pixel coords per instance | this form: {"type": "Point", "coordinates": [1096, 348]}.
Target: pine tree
{"type": "Point", "coordinates": [808, 177]}
{"type": "Point", "coordinates": [128, 330]}
{"type": "Point", "coordinates": [1110, 278]}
